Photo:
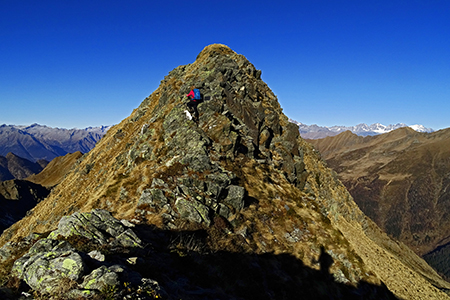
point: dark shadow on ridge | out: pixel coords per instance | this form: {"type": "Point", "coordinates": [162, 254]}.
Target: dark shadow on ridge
{"type": "Point", "coordinates": [185, 267]}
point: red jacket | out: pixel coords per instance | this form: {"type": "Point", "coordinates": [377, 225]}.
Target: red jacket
{"type": "Point", "coordinates": [191, 95]}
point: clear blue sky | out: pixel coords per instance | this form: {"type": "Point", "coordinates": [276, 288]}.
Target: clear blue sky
{"type": "Point", "coordinates": [335, 62]}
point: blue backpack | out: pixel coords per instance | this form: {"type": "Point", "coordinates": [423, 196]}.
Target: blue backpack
{"type": "Point", "coordinates": [197, 95]}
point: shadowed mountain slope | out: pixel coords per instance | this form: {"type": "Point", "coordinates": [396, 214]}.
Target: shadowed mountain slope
{"type": "Point", "coordinates": [5, 174]}
{"type": "Point", "coordinates": [16, 198]}
{"type": "Point", "coordinates": [19, 196]}
{"type": "Point", "coordinates": [243, 178]}
{"type": "Point", "coordinates": [15, 167]}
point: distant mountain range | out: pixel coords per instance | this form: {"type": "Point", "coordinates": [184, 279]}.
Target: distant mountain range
{"type": "Point", "coordinates": [40, 142]}
{"type": "Point", "coordinates": [37, 142]}
{"type": "Point", "coordinates": [319, 132]}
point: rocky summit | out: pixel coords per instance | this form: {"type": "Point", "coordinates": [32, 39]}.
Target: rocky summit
{"type": "Point", "coordinates": [233, 204]}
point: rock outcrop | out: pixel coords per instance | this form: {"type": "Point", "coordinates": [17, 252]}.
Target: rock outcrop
{"type": "Point", "coordinates": [53, 266]}
{"type": "Point", "coordinates": [236, 190]}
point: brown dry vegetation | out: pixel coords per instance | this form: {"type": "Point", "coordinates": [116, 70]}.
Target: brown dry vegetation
{"type": "Point", "coordinates": [56, 170]}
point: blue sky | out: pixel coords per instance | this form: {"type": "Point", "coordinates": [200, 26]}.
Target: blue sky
{"type": "Point", "coordinates": [330, 62]}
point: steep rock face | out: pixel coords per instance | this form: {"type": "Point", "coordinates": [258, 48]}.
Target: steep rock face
{"type": "Point", "coordinates": [241, 175]}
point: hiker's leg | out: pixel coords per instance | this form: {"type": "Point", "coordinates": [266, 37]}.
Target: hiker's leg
{"type": "Point", "coordinates": [195, 111]}
{"type": "Point", "coordinates": [190, 106]}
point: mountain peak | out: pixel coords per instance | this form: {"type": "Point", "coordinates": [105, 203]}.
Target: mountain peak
{"type": "Point", "coordinates": [213, 50]}
{"type": "Point", "coordinates": [240, 126]}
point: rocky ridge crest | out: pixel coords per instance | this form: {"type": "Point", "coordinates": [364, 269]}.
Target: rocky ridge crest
{"type": "Point", "coordinates": [241, 177]}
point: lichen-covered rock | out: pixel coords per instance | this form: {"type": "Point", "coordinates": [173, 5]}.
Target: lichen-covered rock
{"type": "Point", "coordinates": [235, 197]}
{"type": "Point", "coordinates": [99, 226]}
{"type": "Point", "coordinates": [6, 251]}
{"type": "Point", "coordinates": [187, 141]}
{"type": "Point", "coordinates": [193, 211]}
{"type": "Point", "coordinates": [99, 279]}
{"type": "Point", "coordinates": [154, 198]}
{"type": "Point", "coordinates": [52, 266]}
{"type": "Point", "coordinates": [48, 263]}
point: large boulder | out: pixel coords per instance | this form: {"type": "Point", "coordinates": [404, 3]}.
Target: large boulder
{"type": "Point", "coordinates": [48, 264]}
{"type": "Point", "coordinates": [100, 278]}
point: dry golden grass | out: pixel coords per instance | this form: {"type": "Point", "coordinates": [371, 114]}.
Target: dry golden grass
{"type": "Point", "coordinates": [399, 278]}
{"type": "Point", "coordinates": [55, 171]}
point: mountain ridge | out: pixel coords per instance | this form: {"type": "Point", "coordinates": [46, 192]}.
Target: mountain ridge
{"type": "Point", "coordinates": [56, 170]}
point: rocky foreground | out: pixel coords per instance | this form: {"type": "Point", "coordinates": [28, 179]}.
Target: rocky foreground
{"type": "Point", "coordinates": [234, 206]}
{"type": "Point", "coordinates": [93, 255]}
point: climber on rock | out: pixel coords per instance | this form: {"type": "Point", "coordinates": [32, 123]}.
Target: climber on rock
{"type": "Point", "coordinates": [194, 99]}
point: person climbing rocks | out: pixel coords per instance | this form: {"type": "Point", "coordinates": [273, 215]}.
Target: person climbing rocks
{"type": "Point", "coordinates": [194, 99]}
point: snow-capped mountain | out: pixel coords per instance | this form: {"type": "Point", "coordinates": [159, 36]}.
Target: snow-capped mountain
{"type": "Point", "coordinates": [318, 132]}
{"type": "Point", "coordinates": [36, 141]}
